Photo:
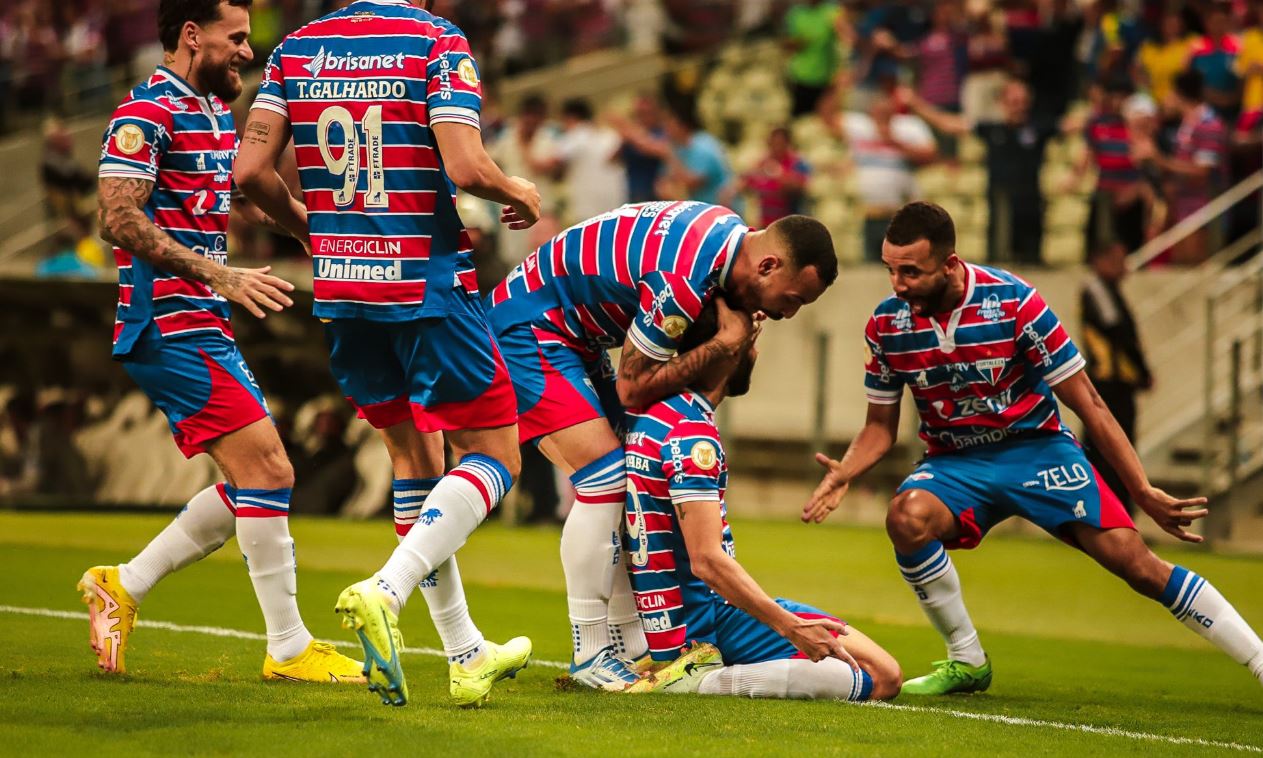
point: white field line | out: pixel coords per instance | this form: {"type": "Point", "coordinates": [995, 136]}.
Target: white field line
{"type": "Point", "coordinates": [995, 718]}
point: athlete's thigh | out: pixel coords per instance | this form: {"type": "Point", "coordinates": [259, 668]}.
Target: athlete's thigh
{"type": "Point", "coordinates": [963, 483]}
{"type": "Point", "coordinates": [1049, 482]}
{"type": "Point", "coordinates": [413, 454]}
{"type": "Point", "coordinates": [742, 638]}
{"type": "Point", "coordinates": [574, 447]}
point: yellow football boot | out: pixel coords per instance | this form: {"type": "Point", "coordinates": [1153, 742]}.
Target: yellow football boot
{"type": "Point", "coordinates": [367, 612]}
{"type": "Point", "coordinates": [111, 616]}
{"type": "Point", "coordinates": [472, 686]}
{"type": "Point", "coordinates": [684, 674]}
{"type": "Point", "coordinates": [320, 662]}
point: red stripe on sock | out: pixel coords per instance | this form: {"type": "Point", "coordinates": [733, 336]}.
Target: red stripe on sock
{"type": "Point", "coordinates": [478, 485]}
{"type": "Point", "coordinates": [223, 495]}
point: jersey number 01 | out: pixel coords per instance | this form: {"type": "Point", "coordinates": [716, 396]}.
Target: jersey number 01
{"type": "Point", "coordinates": [348, 164]}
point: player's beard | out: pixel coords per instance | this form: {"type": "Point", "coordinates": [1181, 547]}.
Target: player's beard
{"type": "Point", "coordinates": [221, 80]}
{"type": "Point", "coordinates": [932, 302]}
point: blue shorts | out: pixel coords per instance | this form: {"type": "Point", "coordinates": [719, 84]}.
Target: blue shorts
{"type": "Point", "coordinates": [1046, 480]}
{"type": "Point", "coordinates": [200, 382]}
{"type": "Point", "coordinates": [440, 373]}
{"type": "Point", "coordinates": [556, 387]}
{"type": "Point", "coordinates": [742, 638]}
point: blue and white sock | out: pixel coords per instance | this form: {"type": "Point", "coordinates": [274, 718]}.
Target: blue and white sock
{"type": "Point", "coordinates": [932, 576]}
{"type": "Point", "coordinates": [263, 536]}
{"type": "Point", "coordinates": [1198, 605]}
{"type": "Point", "coordinates": [627, 635]}
{"type": "Point", "coordinates": [442, 589]}
{"type": "Point", "coordinates": [453, 510]}
{"type": "Point", "coordinates": [590, 544]}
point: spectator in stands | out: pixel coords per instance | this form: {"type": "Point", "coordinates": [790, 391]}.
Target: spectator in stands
{"type": "Point", "coordinates": [38, 58]}
{"type": "Point", "coordinates": [85, 52]}
{"type": "Point", "coordinates": [1161, 59]}
{"type": "Point", "coordinates": [987, 56]}
{"type": "Point", "coordinates": [1111, 346]}
{"type": "Point", "coordinates": [50, 462]}
{"type": "Point", "coordinates": [1249, 64]}
{"type": "Point", "coordinates": [1015, 155]}
{"type": "Point", "coordinates": [66, 183]}
{"type": "Point", "coordinates": [885, 147]}
{"type": "Point", "coordinates": [941, 60]}
{"type": "Point", "coordinates": [1214, 56]}
{"type": "Point", "coordinates": [1122, 198]}
{"type": "Point", "coordinates": [812, 31]}
{"type": "Point", "coordinates": [646, 23]}
{"type": "Point", "coordinates": [1052, 63]}
{"type": "Point", "coordinates": [527, 147]}
{"type": "Point", "coordinates": [324, 461]}
{"type": "Point", "coordinates": [8, 52]}
{"type": "Point", "coordinates": [594, 179]}
{"type": "Point", "coordinates": [1247, 139]}
{"type": "Point", "coordinates": [778, 180]}
{"type": "Point", "coordinates": [697, 167]}
{"type": "Point", "coordinates": [1192, 173]}
{"type": "Point", "coordinates": [645, 147]}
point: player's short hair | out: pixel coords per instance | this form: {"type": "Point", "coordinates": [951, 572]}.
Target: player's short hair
{"type": "Point", "coordinates": [810, 244]}
{"type": "Point", "coordinates": [174, 14]}
{"type": "Point", "coordinates": [923, 220]}
{"type": "Point", "coordinates": [577, 107]}
{"type": "Point", "coordinates": [1188, 85]}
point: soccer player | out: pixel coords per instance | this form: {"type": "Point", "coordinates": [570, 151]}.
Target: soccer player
{"type": "Point", "coordinates": [165, 195]}
{"type": "Point", "coordinates": [688, 584]}
{"type": "Point", "coordinates": [635, 277]}
{"type": "Point", "coordinates": [986, 361]}
{"type": "Point", "coordinates": [382, 99]}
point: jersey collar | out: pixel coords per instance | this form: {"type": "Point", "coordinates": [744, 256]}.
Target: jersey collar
{"type": "Point", "coordinates": [699, 399]}
{"type": "Point", "coordinates": [947, 337]}
{"type": "Point", "coordinates": [178, 81]}
{"type": "Point", "coordinates": [731, 247]}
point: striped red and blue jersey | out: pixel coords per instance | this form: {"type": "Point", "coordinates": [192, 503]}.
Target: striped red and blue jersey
{"type": "Point", "coordinates": [674, 456]}
{"type": "Point", "coordinates": [362, 88]}
{"type": "Point", "coordinates": [980, 375]}
{"type": "Point", "coordinates": [1107, 137]}
{"type": "Point", "coordinates": [640, 272]}
{"type": "Point", "coordinates": [185, 143]}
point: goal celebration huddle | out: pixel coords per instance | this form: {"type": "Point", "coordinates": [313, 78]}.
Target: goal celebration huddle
{"type": "Point", "coordinates": [381, 102]}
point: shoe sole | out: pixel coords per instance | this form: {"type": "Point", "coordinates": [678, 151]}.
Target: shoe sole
{"type": "Point", "coordinates": [385, 679]}
{"type": "Point", "coordinates": [510, 673]}
{"type": "Point", "coordinates": [99, 616]}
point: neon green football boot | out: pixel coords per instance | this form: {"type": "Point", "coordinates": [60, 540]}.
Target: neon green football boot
{"type": "Point", "coordinates": [367, 611]}
{"type": "Point", "coordinates": [470, 687]}
{"type": "Point", "coordinates": [949, 677]}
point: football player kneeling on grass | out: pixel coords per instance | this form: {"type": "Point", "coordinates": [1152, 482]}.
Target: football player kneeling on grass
{"type": "Point", "coordinates": [706, 619]}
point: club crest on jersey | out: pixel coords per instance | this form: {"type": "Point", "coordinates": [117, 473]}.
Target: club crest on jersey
{"type": "Point", "coordinates": [991, 309]}
{"type": "Point", "coordinates": [129, 139]}
{"type": "Point", "coordinates": [903, 319]}
{"type": "Point", "coordinates": [704, 456]}
{"type": "Point", "coordinates": [674, 326]}
{"type": "Point", "coordinates": [991, 369]}
{"type": "Point", "coordinates": [467, 72]}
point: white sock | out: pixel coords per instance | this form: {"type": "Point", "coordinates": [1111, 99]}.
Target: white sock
{"type": "Point", "coordinates": [792, 678]}
{"type": "Point", "coordinates": [590, 551]}
{"type": "Point", "coordinates": [442, 589]}
{"type": "Point", "coordinates": [459, 503]}
{"type": "Point", "coordinates": [1198, 605]}
{"type": "Point", "coordinates": [626, 633]}
{"type": "Point", "coordinates": [263, 535]}
{"type": "Point", "coordinates": [201, 528]}
{"type": "Point", "coordinates": [932, 576]}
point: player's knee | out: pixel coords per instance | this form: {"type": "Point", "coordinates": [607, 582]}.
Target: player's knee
{"type": "Point", "coordinates": [275, 470]}
{"type": "Point", "coordinates": [887, 677]}
{"type": "Point", "coordinates": [908, 519]}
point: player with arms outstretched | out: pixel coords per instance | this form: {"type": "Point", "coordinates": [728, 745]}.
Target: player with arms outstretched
{"type": "Point", "coordinates": [689, 587]}
{"type": "Point", "coordinates": [382, 99]}
{"type": "Point", "coordinates": [635, 277]}
{"type": "Point", "coordinates": [986, 361]}
{"type": "Point", "coordinates": [165, 196]}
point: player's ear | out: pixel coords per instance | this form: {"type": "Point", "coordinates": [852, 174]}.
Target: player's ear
{"type": "Point", "coordinates": [768, 264]}
{"type": "Point", "coordinates": [191, 35]}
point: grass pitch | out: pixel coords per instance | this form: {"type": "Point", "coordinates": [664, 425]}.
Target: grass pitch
{"type": "Point", "coordinates": [1082, 665]}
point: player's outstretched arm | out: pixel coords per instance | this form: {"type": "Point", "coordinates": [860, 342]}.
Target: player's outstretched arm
{"type": "Point", "coordinates": [881, 430]}
{"type": "Point", "coordinates": [702, 525]}
{"type": "Point", "coordinates": [644, 379]}
{"type": "Point", "coordinates": [267, 135]}
{"type": "Point", "coordinates": [1170, 513]}
{"type": "Point", "coordinates": [120, 211]}
{"type": "Point", "coordinates": [469, 167]}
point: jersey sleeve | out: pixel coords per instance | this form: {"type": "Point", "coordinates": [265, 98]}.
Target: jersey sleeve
{"type": "Point", "coordinates": [882, 385]}
{"type": "Point", "coordinates": [138, 135]}
{"type": "Point", "coordinates": [1044, 341]}
{"type": "Point", "coordinates": [453, 88]}
{"type": "Point", "coordinates": [669, 304]}
{"type": "Point", "coordinates": [693, 463]}
{"type": "Point", "coordinates": [272, 89]}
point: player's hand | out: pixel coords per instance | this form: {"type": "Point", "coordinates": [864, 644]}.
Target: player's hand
{"type": "Point", "coordinates": [817, 640]}
{"type": "Point", "coordinates": [829, 493]}
{"type": "Point", "coordinates": [736, 329]}
{"type": "Point", "coordinates": [254, 288]}
{"type": "Point", "coordinates": [525, 211]}
{"type": "Point", "coordinates": [1171, 513]}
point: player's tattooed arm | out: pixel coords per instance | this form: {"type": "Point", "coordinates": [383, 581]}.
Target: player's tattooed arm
{"type": "Point", "coordinates": [123, 222]}
{"type": "Point", "coordinates": [643, 380]}
{"type": "Point", "coordinates": [266, 137]}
